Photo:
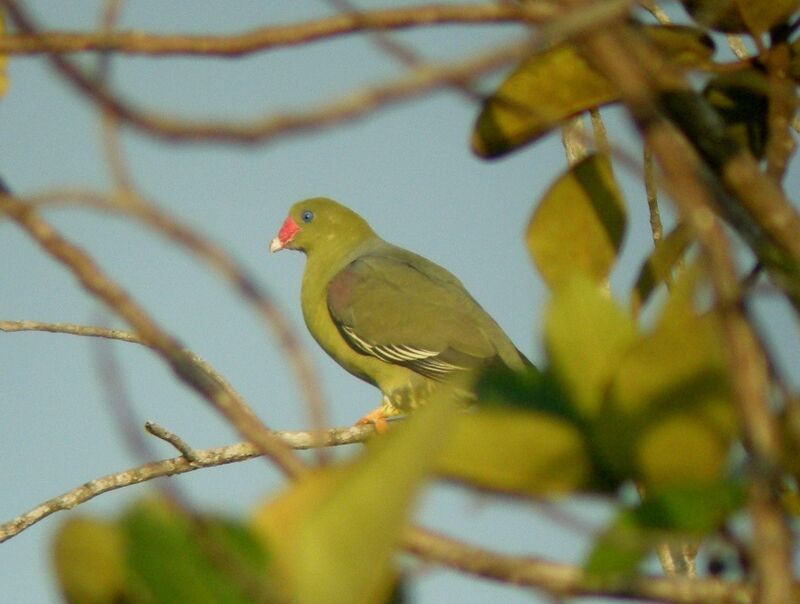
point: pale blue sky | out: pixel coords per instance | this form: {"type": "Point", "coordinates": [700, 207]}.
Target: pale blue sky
{"type": "Point", "coordinates": [407, 170]}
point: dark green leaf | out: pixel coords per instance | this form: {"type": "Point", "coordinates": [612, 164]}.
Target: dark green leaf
{"type": "Point", "coordinates": [742, 100]}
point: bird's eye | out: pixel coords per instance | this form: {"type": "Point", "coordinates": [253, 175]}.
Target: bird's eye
{"type": "Point", "coordinates": [307, 216]}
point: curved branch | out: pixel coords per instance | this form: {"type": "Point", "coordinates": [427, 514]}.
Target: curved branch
{"type": "Point", "coordinates": [203, 458]}
{"type": "Point", "coordinates": [563, 579]}
{"type": "Point", "coordinates": [266, 38]}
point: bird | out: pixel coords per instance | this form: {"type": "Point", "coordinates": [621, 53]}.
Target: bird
{"type": "Point", "coordinates": [387, 315]}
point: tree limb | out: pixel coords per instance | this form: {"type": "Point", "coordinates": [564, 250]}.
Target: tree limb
{"type": "Point", "coordinates": [270, 37]}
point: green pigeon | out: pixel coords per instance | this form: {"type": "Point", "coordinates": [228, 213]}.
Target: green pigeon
{"type": "Point", "coordinates": [388, 316]}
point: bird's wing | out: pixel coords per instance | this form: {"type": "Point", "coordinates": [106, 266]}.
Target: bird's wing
{"type": "Point", "coordinates": [403, 309]}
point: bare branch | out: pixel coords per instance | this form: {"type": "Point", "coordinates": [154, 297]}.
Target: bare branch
{"type": "Point", "coordinates": [222, 398]}
{"type": "Point", "coordinates": [203, 458]}
{"type": "Point", "coordinates": [267, 38]}
{"type": "Point", "coordinates": [176, 441]}
{"type": "Point", "coordinates": [525, 571]}
{"type": "Point", "coordinates": [566, 580]}
{"type": "Point", "coordinates": [267, 128]}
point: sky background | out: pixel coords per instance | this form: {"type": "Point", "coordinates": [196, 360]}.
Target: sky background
{"type": "Point", "coordinates": [407, 169]}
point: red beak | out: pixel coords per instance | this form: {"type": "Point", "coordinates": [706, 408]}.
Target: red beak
{"type": "Point", "coordinates": [285, 235]}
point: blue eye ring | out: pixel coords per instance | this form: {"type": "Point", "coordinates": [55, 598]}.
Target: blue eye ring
{"type": "Point", "coordinates": [307, 216]}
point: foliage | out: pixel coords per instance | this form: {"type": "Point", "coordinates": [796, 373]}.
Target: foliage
{"type": "Point", "coordinates": [650, 393]}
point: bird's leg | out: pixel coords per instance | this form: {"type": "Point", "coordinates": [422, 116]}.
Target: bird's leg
{"type": "Point", "coordinates": [377, 418]}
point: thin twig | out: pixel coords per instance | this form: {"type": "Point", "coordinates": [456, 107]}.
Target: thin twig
{"type": "Point", "coordinates": [422, 80]}
{"type": "Point", "coordinates": [651, 191]}
{"type": "Point", "coordinates": [271, 37]}
{"type": "Point", "coordinates": [176, 441]}
{"type": "Point", "coordinates": [573, 137]}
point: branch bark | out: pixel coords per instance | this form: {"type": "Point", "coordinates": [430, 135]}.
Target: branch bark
{"type": "Point", "coordinates": [271, 37]}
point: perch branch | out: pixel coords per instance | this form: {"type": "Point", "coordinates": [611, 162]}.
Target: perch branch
{"type": "Point", "coordinates": [555, 578]}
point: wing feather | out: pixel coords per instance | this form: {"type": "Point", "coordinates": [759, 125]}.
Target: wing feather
{"type": "Point", "coordinates": [405, 310]}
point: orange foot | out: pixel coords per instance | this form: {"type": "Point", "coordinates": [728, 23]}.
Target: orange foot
{"type": "Point", "coordinates": [377, 418]}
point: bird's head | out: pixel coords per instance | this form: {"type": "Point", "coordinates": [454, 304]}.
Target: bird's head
{"type": "Point", "coordinates": [320, 223]}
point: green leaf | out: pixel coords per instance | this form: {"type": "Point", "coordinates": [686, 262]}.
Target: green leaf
{"type": "Point", "coordinates": [658, 267]}
{"type": "Point", "coordinates": [529, 390]}
{"type": "Point", "coordinates": [543, 91]}
{"type": "Point", "coordinates": [742, 100]}
{"type": "Point", "coordinates": [89, 558]}
{"type": "Point", "coordinates": [341, 525]}
{"type": "Point", "coordinates": [515, 451]}
{"type": "Point", "coordinates": [586, 335]}
{"type": "Point", "coordinates": [617, 553]}
{"type": "Point", "coordinates": [578, 225]}
{"type": "Point", "coordinates": [692, 509]}
{"type": "Point", "coordinates": [174, 558]}
{"type": "Point", "coordinates": [762, 15]}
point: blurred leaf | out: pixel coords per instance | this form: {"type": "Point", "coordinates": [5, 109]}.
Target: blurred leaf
{"type": "Point", "coordinates": [762, 15]}
{"type": "Point", "coordinates": [530, 390]}
{"type": "Point", "coordinates": [586, 335]}
{"type": "Point", "coordinates": [721, 15]}
{"type": "Point", "coordinates": [683, 44]}
{"type": "Point", "coordinates": [516, 451]}
{"type": "Point", "coordinates": [658, 267]}
{"type": "Point", "coordinates": [741, 99]}
{"type": "Point", "coordinates": [617, 553]}
{"type": "Point", "coordinates": [671, 392]}
{"type": "Point", "coordinates": [89, 558]}
{"type": "Point", "coordinates": [578, 225]}
{"type": "Point", "coordinates": [668, 516]}
{"type": "Point", "coordinates": [545, 89]}
{"type": "Point", "coordinates": [176, 559]}
{"type": "Point", "coordinates": [340, 525]}
{"type": "Point", "coordinates": [691, 509]}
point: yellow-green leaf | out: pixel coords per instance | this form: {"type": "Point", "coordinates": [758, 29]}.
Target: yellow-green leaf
{"type": "Point", "coordinates": [335, 531]}
{"type": "Point", "coordinates": [672, 393]}
{"type": "Point", "coordinates": [682, 44]}
{"type": "Point", "coordinates": [586, 335]}
{"type": "Point", "coordinates": [762, 15]}
{"type": "Point", "coordinates": [544, 90]}
{"type": "Point", "coordinates": [89, 559]}
{"type": "Point", "coordinates": [515, 451]}
{"type": "Point", "coordinates": [578, 226]}
{"type": "Point", "coordinates": [657, 269]}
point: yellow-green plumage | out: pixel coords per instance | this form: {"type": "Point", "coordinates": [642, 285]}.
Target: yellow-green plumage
{"type": "Point", "coordinates": [387, 315]}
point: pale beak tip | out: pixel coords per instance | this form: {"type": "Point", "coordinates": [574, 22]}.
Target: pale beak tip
{"type": "Point", "coordinates": [275, 245]}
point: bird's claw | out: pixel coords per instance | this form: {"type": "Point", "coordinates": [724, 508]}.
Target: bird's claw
{"type": "Point", "coordinates": [377, 418]}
